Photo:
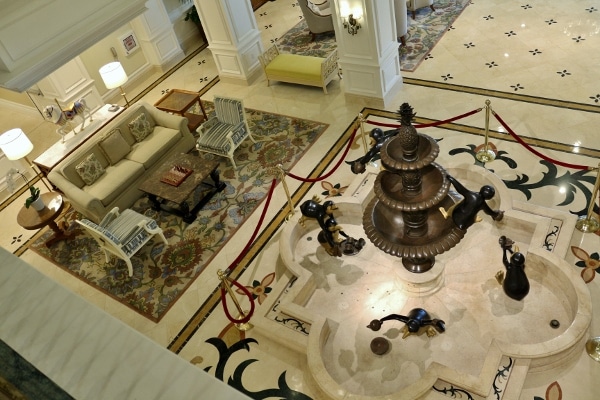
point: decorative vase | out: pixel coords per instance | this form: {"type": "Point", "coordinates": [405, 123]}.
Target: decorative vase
{"type": "Point", "coordinates": [38, 204]}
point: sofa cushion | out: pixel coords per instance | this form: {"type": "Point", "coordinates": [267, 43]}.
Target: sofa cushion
{"type": "Point", "coordinates": [141, 126]}
{"type": "Point", "coordinates": [118, 179]}
{"type": "Point", "coordinates": [296, 66]}
{"type": "Point", "coordinates": [90, 169]}
{"type": "Point", "coordinates": [114, 146]}
{"type": "Point", "coordinates": [156, 145]}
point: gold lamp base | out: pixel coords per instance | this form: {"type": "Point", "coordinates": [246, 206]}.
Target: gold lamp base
{"type": "Point", "coordinates": [592, 347]}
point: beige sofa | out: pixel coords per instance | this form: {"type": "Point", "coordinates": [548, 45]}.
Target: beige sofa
{"type": "Point", "coordinates": [105, 172]}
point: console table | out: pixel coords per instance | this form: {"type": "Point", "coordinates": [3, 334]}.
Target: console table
{"type": "Point", "coordinates": [59, 150]}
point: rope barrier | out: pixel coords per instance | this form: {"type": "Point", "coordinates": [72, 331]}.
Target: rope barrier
{"type": "Point", "coordinates": [260, 221]}
{"type": "Point", "coordinates": [534, 151]}
{"type": "Point", "coordinates": [447, 121]}
{"type": "Point", "coordinates": [239, 257]}
{"type": "Point", "coordinates": [437, 123]}
{"type": "Point", "coordinates": [327, 175]}
{"type": "Point", "coordinates": [246, 318]}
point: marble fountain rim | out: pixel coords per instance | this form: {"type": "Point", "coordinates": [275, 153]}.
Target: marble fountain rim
{"type": "Point", "coordinates": [561, 347]}
{"type": "Point", "coordinates": [540, 354]}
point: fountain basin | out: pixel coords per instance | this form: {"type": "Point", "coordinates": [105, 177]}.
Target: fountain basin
{"type": "Point", "coordinates": [340, 296]}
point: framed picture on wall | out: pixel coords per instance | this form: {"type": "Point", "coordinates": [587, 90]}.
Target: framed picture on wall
{"type": "Point", "coordinates": [129, 42]}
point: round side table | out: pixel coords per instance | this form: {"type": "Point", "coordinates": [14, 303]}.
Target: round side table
{"type": "Point", "coordinates": [31, 219]}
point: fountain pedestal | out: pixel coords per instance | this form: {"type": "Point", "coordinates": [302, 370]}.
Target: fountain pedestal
{"type": "Point", "coordinates": [403, 219]}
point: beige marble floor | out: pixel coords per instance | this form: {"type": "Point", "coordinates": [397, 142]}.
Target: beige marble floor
{"type": "Point", "coordinates": [562, 68]}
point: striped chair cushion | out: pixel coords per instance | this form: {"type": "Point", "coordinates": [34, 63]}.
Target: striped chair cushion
{"type": "Point", "coordinates": [102, 230]}
{"type": "Point", "coordinates": [124, 226]}
{"type": "Point", "coordinates": [216, 138]}
{"type": "Point", "coordinates": [229, 111]}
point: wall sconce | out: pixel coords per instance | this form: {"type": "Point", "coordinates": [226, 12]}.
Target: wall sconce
{"type": "Point", "coordinates": [351, 24]}
{"type": "Point", "coordinates": [350, 16]}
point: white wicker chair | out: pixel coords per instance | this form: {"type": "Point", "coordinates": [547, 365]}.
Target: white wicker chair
{"type": "Point", "coordinates": [224, 132]}
{"type": "Point", "coordinates": [123, 234]}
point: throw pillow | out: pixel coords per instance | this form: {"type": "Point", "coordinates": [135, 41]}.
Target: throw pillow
{"type": "Point", "coordinates": [90, 169]}
{"type": "Point", "coordinates": [114, 146]}
{"type": "Point", "coordinates": [141, 126]}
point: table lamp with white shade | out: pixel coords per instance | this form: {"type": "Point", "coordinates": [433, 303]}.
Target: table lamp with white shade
{"type": "Point", "coordinates": [114, 76]}
{"type": "Point", "coordinates": [16, 145]}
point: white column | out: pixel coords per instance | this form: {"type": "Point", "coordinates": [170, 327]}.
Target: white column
{"type": "Point", "coordinates": [233, 38]}
{"type": "Point", "coordinates": [71, 82]}
{"type": "Point", "coordinates": [370, 60]}
{"type": "Point", "coordinates": [157, 37]}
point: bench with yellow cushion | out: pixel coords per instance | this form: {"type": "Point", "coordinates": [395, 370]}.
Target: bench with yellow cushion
{"type": "Point", "coordinates": [296, 68]}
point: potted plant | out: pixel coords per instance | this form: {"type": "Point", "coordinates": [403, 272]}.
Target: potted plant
{"type": "Point", "coordinates": [192, 15]}
{"type": "Point", "coordinates": [34, 198]}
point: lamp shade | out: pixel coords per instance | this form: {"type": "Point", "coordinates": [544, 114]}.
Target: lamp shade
{"type": "Point", "coordinates": [15, 144]}
{"type": "Point", "coordinates": [113, 75]}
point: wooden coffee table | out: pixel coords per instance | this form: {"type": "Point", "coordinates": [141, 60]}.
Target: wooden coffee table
{"type": "Point", "coordinates": [31, 219]}
{"type": "Point", "coordinates": [179, 200]}
{"type": "Point", "coordinates": [179, 101]}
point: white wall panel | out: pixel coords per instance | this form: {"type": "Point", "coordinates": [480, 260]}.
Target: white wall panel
{"type": "Point", "coordinates": [63, 29]}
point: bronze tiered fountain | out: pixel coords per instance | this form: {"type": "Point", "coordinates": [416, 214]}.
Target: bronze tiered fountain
{"type": "Point", "coordinates": [404, 219]}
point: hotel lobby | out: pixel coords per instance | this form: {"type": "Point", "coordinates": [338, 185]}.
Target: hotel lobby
{"type": "Point", "coordinates": [536, 64]}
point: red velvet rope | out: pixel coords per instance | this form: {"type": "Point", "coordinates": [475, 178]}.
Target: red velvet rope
{"type": "Point", "coordinates": [260, 221]}
{"type": "Point", "coordinates": [242, 254]}
{"type": "Point", "coordinates": [430, 124]}
{"type": "Point", "coordinates": [224, 301]}
{"type": "Point", "coordinates": [534, 151]}
{"type": "Point", "coordinates": [446, 121]}
{"type": "Point", "coordinates": [383, 124]}
{"type": "Point", "coordinates": [327, 175]}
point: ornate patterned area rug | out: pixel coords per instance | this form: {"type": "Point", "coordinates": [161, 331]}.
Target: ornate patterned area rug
{"type": "Point", "coordinates": [162, 273]}
{"type": "Point", "coordinates": [423, 34]}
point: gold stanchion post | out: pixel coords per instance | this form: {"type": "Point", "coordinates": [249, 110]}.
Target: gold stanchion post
{"type": "Point", "coordinates": [242, 314]}
{"type": "Point", "coordinates": [361, 123]}
{"type": "Point", "coordinates": [588, 223]}
{"type": "Point", "coordinates": [486, 154]}
{"type": "Point", "coordinates": [592, 347]}
{"type": "Point", "coordinates": [36, 174]}
{"type": "Point", "coordinates": [281, 174]}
